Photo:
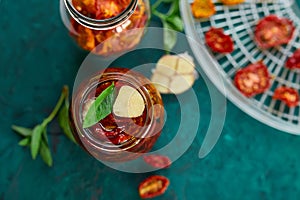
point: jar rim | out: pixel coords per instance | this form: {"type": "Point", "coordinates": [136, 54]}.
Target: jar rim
{"type": "Point", "coordinates": [87, 133]}
{"type": "Point", "coordinates": [101, 24]}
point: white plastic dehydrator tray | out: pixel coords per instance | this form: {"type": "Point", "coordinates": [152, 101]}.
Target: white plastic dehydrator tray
{"type": "Point", "coordinates": [239, 22]}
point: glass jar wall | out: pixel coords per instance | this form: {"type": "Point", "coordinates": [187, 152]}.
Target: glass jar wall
{"type": "Point", "coordinates": [105, 27]}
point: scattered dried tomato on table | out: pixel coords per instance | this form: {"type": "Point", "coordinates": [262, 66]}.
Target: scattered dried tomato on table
{"type": "Point", "coordinates": [153, 186]}
{"type": "Point", "coordinates": [203, 8]}
{"type": "Point", "coordinates": [157, 161]}
{"type": "Point", "coordinates": [253, 79]}
{"type": "Point", "coordinates": [272, 31]}
{"type": "Point", "coordinates": [232, 2]}
{"type": "Point", "coordinates": [288, 95]}
{"type": "Point", "coordinates": [218, 41]}
{"type": "Point", "coordinates": [293, 62]}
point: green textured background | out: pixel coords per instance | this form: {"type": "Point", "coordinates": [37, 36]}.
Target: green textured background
{"type": "Point", "coordinates": [250, 161]}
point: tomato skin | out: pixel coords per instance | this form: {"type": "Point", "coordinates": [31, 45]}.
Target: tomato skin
{"type": "Point", "coordinates": [288, 95]}
{"type": "Point", "coordinates": [218, 41]}
{"type": "Point", "coordinates": [203, 8]}
{"type": "Point", "coordinates": [253, 79]}
{"type": "Point", "coordinates": [232, 2]}
{"type": "Point", "coordinates": [157, 183]}
{"type": "Point", "coordinates": [293, 62]}
{"type": "Point", "coordinates": [272, 31]}
{"type": "Point", "coordinates": [157, 161]}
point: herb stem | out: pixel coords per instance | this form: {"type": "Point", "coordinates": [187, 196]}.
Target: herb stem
{"type": "Point", "coordinates": [156, 4]}
{"type": "Point", "coordinates": [158, 14]}
{"type": "Point", "coordinates": [64, 94]}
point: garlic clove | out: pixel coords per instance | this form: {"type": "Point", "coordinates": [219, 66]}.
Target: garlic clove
{"type": "Point", "coordinates": [129, 103]}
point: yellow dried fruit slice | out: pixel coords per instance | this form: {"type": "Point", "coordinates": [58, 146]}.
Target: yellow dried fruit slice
{"type": "Point", "coordinates": [129, 103]}
{"type": "Point", "coordinates": [203, 8]}
{"type": "Point", "coordinates": [174, 73]}
{"type": "Point", "coordinates": [232, 2]}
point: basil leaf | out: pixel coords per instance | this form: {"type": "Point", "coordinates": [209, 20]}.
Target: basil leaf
{"type": "Point", "coordinates": [45, 136]}
{"type": "Point", "coordinates": [24, 142]}
{"type": "Point", "coordinates": [170, 37]}
{"type": "Point", "coordinates": [175, 22]}
{"type": "Point", "coordinates": [46, 153]}
{"type": "Point", "coordinates": [63, 120]}
{"type": "Point", "coordinates": [22, 131]}
{"type": "Point", "coordinates": [101, 107]}
{"type": "Point", "coordinates": [36, 140]}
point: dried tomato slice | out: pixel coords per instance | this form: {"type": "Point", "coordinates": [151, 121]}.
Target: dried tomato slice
{"type": "Point", "coordinates": [273, 31]}
{"type": "Point", "coordinates": [218, 41]}
{"type": "Point", "coordinates": [288, 95]}
{"type": "Point", "coordinates": [232, 2]}
{"type": "Point", "coordinates": [293, 62]}
{"type": "Point", "coordinates": [253, 79]}
{"type": "Point", "coordinates": [203, 8]}
{"type": "Point", "coordinates": [153, 186]}
{"type": "Point", "coordinates": [157, 161]}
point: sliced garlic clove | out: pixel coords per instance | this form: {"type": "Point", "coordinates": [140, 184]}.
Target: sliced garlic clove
{"type": "Point", "coordinates": [129, 103]}
{"type": "Point", "coordinates": [181, 83]}
{"type": "Point", "coordinates": [174, 73]}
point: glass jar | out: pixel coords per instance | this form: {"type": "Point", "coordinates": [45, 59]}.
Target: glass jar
{"type": "Point", "coordinates": [117, 138]}
{"type": "Point", "coordinates": [106, 27]}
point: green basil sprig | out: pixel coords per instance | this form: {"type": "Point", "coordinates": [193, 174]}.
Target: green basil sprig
{"type": "Point", "coordinates": [36, 139]}
{"type": "Point", "coordinates": [171, 20]}
{"type": "Point", "coordinates": [100, 108]}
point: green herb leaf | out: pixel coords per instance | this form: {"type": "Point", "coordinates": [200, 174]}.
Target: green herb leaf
{"type": "Point", "coordinates": [170, 37]}
{"type": "Point", "coordinates": [36, 140]}
{"type": "Point", "coordinates": [45, 136]}
{"type": "Point", "coordinates": [63, 120]}
{"type": "Point", "coordinates": [46, 153]}
{"type": "Point", "coordinates": [100, 108]}
{"type": "Point", "coordinates": [170, 20]}
{"type": "Point", "coordinates": [175, 22]}
{"type": "Point", "coordinates": [22, 131]}
{"type": "Point", "coordinates": [24, 142]}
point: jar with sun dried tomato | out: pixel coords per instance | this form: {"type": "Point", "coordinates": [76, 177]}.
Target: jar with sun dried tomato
{"type": "Point", "coordinates": [133, 120]}
{"type": "Point", "coordinates": [106, 27]}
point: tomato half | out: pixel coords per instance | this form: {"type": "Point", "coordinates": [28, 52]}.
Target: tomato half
{"type": "Point", "coordinates": [157, 161]}
{"type": "Point", "coordinates": [232, 2]}
{"type": "Point", "coordinates": [273, 31]}
{"type": "Point", "coordinates": [218, 41]}
{"type": "Point", "coordinates": [253, 79]}
{"type": "Point", "coordinates": [203, 8]}
{"type": "Point", "coordinates": [293, 62]}
{"type": "Point", "coordinates": [288, 95]}
{"type": "Point", "coordinates": [153, 186]}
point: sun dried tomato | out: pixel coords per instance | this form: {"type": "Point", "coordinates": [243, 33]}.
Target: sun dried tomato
{"type": "Point", "coordinates": [114, 40]}
{"type": "Point", "coordinates": [288, 95]}
{"type": "Point", "coordinates": [253, 79]}
{"type": "Point", "coordinates": [218, 41]}
{"type": "Point", "coordinates": [157, 161]}
{"type": "Point", "coordinates": [85, 7]}
{"type": "Point", "coordinates": [293, 62]}
{"type": "Point", "coordinates": [272, 31]}
{"type": "Point", "coordinates": [153, 186]}
{"type": "Point", "coordinates": [232, 2]}
{"type": "Point", "coordinates": [203, 8]}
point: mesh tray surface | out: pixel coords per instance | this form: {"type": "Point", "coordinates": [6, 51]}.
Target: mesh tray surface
{"type": "Point", "coordinates": [239, 21]}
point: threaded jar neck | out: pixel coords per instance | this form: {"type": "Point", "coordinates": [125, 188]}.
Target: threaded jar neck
{"type": "Point", "coordinates": [101, 24]}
